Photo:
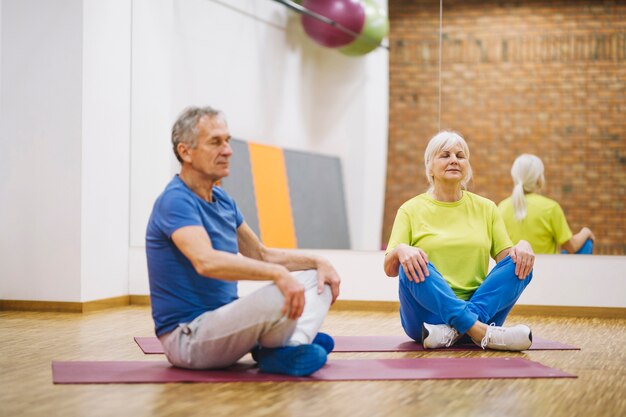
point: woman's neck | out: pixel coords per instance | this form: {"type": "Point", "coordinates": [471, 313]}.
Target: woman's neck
{"type": "Point", "coordinates": [447, 193]}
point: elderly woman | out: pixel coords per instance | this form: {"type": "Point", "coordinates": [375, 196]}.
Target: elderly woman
{"type": "Point", "coordinates": [440, 246]}
{"type": "Point", "coordinates": [538, 219]}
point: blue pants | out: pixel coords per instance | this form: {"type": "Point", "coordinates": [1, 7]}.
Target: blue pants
{"type": "Point", "coordinates": [434, 302]}
{"type": "Point", "coordinates": [585, 249]}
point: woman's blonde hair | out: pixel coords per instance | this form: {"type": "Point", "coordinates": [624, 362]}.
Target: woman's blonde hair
{"type": "Point", "coordinates": [527, 173]}
{"type": "Point", "coordinates": [442, 141]}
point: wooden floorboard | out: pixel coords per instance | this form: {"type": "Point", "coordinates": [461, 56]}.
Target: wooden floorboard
{"type": "Point", "coordinates": [29, 341]}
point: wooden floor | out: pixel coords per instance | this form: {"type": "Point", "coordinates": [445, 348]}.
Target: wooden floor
{"type": "Point", "coordinates": [30, 341]}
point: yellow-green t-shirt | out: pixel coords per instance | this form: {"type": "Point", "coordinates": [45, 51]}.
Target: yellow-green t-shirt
{"type": "Point", "coordinates": [544, 227]}
{"type": "Point", "coordinates": [458, 237]}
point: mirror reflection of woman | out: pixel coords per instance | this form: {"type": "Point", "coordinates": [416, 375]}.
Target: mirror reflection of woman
{"type": "Point", "coordinates": [537, 219]}
{"type": "Point", "coordinates": [440, 247]}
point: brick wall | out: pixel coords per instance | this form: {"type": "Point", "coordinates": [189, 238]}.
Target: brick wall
{"type": "Point", "coordinates": [542, 77]}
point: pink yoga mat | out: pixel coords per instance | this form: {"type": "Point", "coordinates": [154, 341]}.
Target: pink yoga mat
{"type": "Point", "coordinates": [335, 370]}
{"type": "Point", "coordinates": [404, 344]}
{"type": "Point", "coordinates": [150, 345]}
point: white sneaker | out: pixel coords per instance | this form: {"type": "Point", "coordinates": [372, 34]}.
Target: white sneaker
{"type": "Point", "coordinates": [438, 336]}
{"type": "Point", "coordinates": [514, 338]}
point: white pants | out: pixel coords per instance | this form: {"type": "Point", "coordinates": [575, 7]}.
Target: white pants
{"type": "Point", "coordinates": [218, 338]}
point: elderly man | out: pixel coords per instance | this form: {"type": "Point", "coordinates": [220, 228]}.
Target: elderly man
{"type": "Point", "coordinates": [198, 246]}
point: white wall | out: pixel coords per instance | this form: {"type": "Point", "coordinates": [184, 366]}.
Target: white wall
{"type": "Point", "coordinates": [558, 280]}
{"type": "Point", "coordinates": [1, 58]}
{"type": "Point", "coordinates": [252, 60]}
{"type": "Point", "coordinates": [64, 156]}
{"type": "Point", "coordinates": [577, 280]}
{"type": "Point", "coordinates": [105, 174]}
{"type": "Point", "coordinates": [40, 150]}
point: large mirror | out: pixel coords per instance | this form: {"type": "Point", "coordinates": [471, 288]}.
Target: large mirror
{"type": "Point", "coordinates": [545, 78]}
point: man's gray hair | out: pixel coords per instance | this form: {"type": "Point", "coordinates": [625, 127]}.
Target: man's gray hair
{"type": "Point", "coordinates": [185, 130]}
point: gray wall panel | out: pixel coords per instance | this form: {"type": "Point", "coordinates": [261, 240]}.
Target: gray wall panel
{"type": "Point", "coordinates": [317, 200]}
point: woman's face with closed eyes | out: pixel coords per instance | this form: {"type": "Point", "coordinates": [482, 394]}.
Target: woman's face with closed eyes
{"type": "Point", "coordinates": [449, 165]}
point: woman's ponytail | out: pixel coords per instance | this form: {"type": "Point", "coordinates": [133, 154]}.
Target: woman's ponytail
{"type": "Point", "coordinates": [527, 173]}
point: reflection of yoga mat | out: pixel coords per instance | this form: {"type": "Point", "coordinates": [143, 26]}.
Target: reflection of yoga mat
{"type": "Point", "coordinates": [335, 370]}
{"type": "Point", "coordinates": [151, 345]}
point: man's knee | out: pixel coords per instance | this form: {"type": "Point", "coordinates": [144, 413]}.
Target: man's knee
{"type": "Point", "coordinates": [271, 300]}
{"type": "Point", "coordinates": [327, 292]}
{"type": "Point", "coordinates": [307, 278]}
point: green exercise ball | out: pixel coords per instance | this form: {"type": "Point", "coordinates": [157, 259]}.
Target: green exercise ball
{"type": "Point", "coordinates": [375, 29]}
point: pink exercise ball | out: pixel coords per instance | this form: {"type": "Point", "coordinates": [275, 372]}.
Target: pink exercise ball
{"type": "Point", "coordinates": [348, 13]}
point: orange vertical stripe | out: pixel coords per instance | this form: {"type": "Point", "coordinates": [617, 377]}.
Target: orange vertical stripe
{"type": "Point", "coordinates": [271, 190]}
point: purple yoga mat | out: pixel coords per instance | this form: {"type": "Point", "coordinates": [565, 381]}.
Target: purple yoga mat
{"type": "Point", "coordinates": [150, 345]}
{"type": "Point", "coordinates": [404, 344]}
{"type": "Point", "coordinates": [335, 370]}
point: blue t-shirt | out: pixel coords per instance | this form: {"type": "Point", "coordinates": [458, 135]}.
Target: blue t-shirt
{"type": "Point", "coordinates": [177, 292]}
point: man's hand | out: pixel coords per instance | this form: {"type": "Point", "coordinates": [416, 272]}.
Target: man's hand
{"type": "Point", "coordinates": [293, 292]}
{"type": "Point", "coordinates": [326, 274]}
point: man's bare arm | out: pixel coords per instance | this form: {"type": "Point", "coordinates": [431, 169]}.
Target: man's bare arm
{"type": "Point", "coordinates": [194, 243]}
{"type": "Point", "coordinates": [251, 246]}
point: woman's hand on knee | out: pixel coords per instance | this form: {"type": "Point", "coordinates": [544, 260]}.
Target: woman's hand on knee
{"type": "Point", "coordinates": [524, 258]}
{"type": "Point", "coordinates": [414, 262]}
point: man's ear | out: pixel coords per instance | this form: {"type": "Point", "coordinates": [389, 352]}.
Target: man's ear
{"type": "Point", "coordinates": [183, 151]}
